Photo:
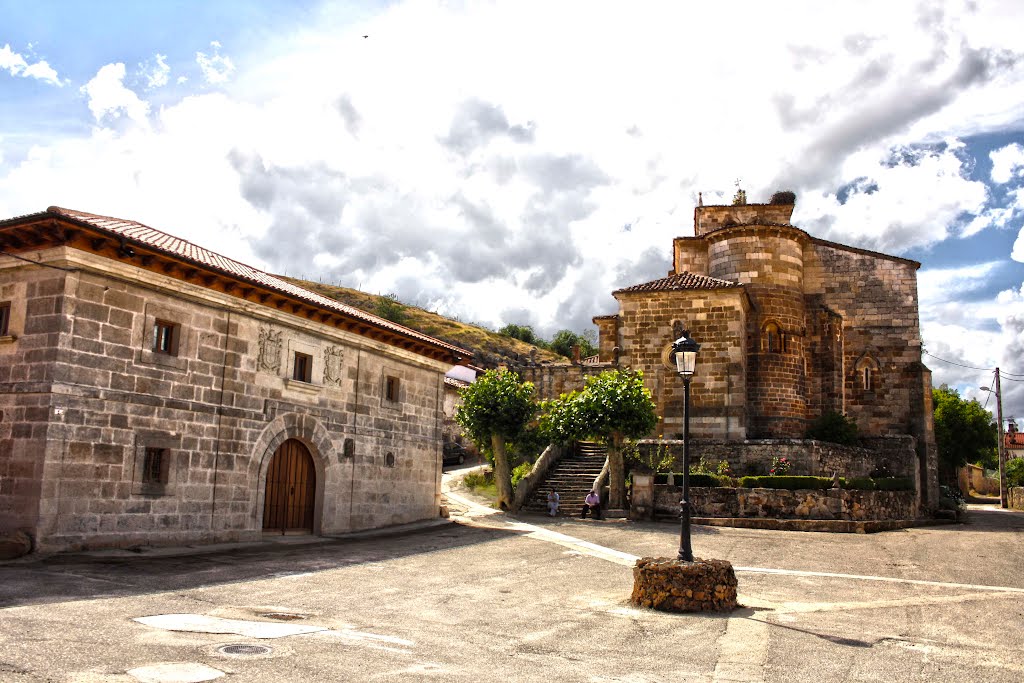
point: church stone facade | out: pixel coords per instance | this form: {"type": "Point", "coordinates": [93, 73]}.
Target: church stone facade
{"type": "Point", "coordinates": [153, 392]}
{"type": "Point", "coordinates": [790, 327]}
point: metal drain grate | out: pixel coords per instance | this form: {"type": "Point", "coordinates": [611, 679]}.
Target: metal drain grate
{"type": "Point", "coordinates": [243, 650]}
{"type": "Point", "coordinates": [283, 616]}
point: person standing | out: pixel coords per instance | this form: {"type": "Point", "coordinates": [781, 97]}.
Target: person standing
{"type": "Point", "coordinates": [592, 503]}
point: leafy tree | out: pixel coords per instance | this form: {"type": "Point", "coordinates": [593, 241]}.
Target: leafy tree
{"type": "Point", "coordinates": [496, 409]}
{"type": "Point", "coordinates": [521, 332]}
{"type": "Point", "coordinates": [1015, 472]}
{"type": "Point", "coordinates": [964, 431]}
{"type": "Point", "coordinates": [564, 340]}
{"type": "Point", "coordinates": [611, 407]}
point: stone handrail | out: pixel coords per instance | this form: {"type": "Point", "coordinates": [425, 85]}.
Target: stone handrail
{"type": "Point", "coordinates": [528, 484]}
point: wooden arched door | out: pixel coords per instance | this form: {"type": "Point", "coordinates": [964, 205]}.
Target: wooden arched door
{"type": "Point", "coordinates": [291, 490]}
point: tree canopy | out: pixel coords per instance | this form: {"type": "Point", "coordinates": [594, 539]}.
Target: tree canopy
{"type": "Point", "coordinates": [964, 431]}
{"type": "Point", "coordinates": [612, 406]}
{"type": "Point", "coordinates": [495, 409]}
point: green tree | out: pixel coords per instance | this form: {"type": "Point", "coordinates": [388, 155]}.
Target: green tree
{"type": "Point", "coordinates": [834, 427]}
{"type": "Point", "coordinates": [521, 332]}
{"type": "Point", "coordinates": [611, 407]}
{"type": "Point", "coordinates": [564, 340]}
{"type": "Point", "coordinates": [964, 431]}
{"type": "Point", "coordinates": [496, 409]}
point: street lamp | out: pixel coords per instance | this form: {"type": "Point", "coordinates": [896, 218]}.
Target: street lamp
{"type": "Point", "coordinates": [1003, 502]}
{"type": "Point", "coordinates": [685, 350]}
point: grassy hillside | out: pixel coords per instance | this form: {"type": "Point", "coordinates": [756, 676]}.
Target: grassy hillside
{"type": "Point", "coordinates": [470, 337]}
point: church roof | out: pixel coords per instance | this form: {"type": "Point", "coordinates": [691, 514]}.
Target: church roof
{"type": "Point", "coordinates": [680, 282]}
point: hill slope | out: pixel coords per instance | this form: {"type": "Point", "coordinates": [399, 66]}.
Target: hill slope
{"type": "Point", "coordinates": [493, 347]}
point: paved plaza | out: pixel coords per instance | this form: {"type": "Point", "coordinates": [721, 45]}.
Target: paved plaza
{"type": "Point", "coordinates": [487, 597]}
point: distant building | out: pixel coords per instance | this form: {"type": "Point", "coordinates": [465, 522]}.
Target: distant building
{"type": "Point", "coordinates": [1013, 441]}
{"type": "Point", "coordinates": [153, 392]}
{"type": "Point", "coordinates": [791, 326]}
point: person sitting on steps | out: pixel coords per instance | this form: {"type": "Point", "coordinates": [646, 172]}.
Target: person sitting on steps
{"type": "Point", "coordinates": [553, 501]}
{"type": "Point", "coordinates": [593, 503]}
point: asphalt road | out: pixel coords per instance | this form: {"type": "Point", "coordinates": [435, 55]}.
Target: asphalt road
{"type": "Point", "coordinates": [491, 598]}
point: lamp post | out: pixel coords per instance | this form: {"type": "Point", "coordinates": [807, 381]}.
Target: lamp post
{"type": "Point", "coordinates": [1003, 502]}
{"type": "Point", "coordinates": [685, 350]}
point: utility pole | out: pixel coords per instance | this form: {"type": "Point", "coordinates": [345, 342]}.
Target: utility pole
{"type": "Point", "coordinates": [1002, 447]}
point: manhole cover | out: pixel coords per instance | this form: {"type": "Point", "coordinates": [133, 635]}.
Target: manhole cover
{"type": "Point", "coordinates": [283, 616]}
{"type": "Point", "coordinates": [243, 650]}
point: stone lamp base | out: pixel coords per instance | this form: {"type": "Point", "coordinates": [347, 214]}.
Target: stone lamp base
{"type": "Point", "coordinates": [673, 585]}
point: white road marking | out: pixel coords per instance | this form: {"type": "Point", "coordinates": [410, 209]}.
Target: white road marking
{"type": "Point", "coordinates": [198, 623]}
{"type": "Point", "coordinates": [888, 579]}
{"type": "Point", "coordinates": [175, 672]}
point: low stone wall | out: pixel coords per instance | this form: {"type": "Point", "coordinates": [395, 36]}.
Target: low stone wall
{"type": "Point", "coordinates": [1015, 497]}
{"type": "Point", "coordinates": [807, 456]}
{"type": "Point", "coordinates": [840, 504]}
{"type": "Point", "coordinates": [972, 478]}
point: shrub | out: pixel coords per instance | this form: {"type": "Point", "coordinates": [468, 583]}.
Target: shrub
{"type": "Point", "coordinates": [860, 484]}
{"type": "Point", "coordinates": [482, 479]}
{"type": "Point", "coordinates": [835, 428]}
{"type": "Point", "coordinates": [390, 308]}
{"type": "Point", "coordinates": [1015, 472]}
{"type": "Point", "coordinates": [894, 484]}
{"type": "Point", "coordinates": [520, 471]}
{"type": "Point", "coordinates": [786, 482]}
{"type": "Point", "coordinates": [707, 480]}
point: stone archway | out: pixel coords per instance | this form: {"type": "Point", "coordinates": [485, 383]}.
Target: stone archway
{"type": "Point", "coordinates": [303, 430]}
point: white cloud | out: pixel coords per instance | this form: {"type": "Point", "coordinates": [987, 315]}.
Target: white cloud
{"type": "Point", "coordinates": [156, 74]}
{"type": "Point", "coordinates": [108, 96]}
{"type": "Point", "coordinates": [1007, 163]}
{"type": "Point", "coordinates": [16, 65]}
{"type": "Point", "coordinates": [216, 68]}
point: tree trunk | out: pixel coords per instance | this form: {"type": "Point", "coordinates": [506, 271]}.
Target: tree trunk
{"type": "Point", "coordinates": [502, 472]}
{"type": "Point", "coordinates": [616, 474]}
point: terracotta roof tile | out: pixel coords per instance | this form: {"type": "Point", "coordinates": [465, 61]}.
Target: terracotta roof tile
{"type": "Point", "coordinates": [1013, 440]}
{"type": "Point", "coordinates": [680, 282]}
{"type": "Point", "coordinates": [175, 246]}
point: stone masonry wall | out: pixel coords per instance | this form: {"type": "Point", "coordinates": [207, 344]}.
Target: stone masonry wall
{"type": "Point", "coordinates": [808, 457]}
{"type": "Point", "coordinates": [782, 504]}
{"type": "Point", "coordinates": [221, 406]}
{"type": "Point", "coordinates": [876, 297]}
{"type": "Point", "coordinates": [651, 321]}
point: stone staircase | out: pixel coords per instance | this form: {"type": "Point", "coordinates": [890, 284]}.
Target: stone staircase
{"type": "Point", "coordinates": [572, 477]}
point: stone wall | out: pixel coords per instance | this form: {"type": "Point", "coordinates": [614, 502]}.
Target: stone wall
{"type": "Point", "coordinates": [808, 457]}
{"type": "Point", "coordinates": [651, 321]}
{"type": "Point", "coordinates": [86, 395]}
{"type": "Point", "coordinates": [783, 504]}
{"type": "Point", "coordinates": [1015, 497]}
{"type": "Point", "coordinates": [972, 478]}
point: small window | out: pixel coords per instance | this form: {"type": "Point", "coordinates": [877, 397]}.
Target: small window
{"type": "Point", "coordinates": [389, 460]}
{"type": "Point", "coordinates": [165, 337]}
{"type": "Point", "coordinates": [303, 368]}
{"type": "Point", "coordinates": [155, 466]}
{"type": "Point", "coordinates": [5, 318]}
{"type": "Point", "coordinates": [771, 338]}
{"type": "Point", "coordinates": [349, 448]}
{"type": "Point", "coordinates": [391, 389]}
{"type": "Point", "coordinates": [867, 378]}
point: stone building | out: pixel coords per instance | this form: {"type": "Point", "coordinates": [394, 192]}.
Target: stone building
{"type": "Point", "coordinates": [791, 327]}
{"type": "Point", "coordinates": [153, 392]}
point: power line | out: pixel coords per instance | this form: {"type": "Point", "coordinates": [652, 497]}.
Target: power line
{"type": "Point", "coordinates": [961, 365]}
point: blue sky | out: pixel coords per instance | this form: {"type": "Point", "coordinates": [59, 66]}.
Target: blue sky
{"type": "Point", "coordinates": [517, 161]}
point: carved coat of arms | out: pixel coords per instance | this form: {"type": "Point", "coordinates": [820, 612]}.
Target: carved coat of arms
{"type": "Point", "coordinates": [333, 357]}
{"type": "Point", "coordinates": [270, 350]}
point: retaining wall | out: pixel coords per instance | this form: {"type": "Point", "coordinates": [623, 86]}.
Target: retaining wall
{"type": "Point", "coordinates": [839, 504]}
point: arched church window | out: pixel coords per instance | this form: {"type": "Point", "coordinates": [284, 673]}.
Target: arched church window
{"type": "Point", "coordinates": [867, 372]}
{"type": "Point", "coordinates": [771, 338]}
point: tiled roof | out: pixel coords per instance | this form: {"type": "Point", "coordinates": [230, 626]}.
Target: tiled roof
{"type": "Point", "coordinates": [1013, 440]}
{"type": "Point", "coordinates": [174, 246]}
{"type": "Point", "coordinates": [680, 282]}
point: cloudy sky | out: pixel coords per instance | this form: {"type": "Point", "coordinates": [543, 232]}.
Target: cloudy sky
{"type": "Point", "coordinates": [517, 161]}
